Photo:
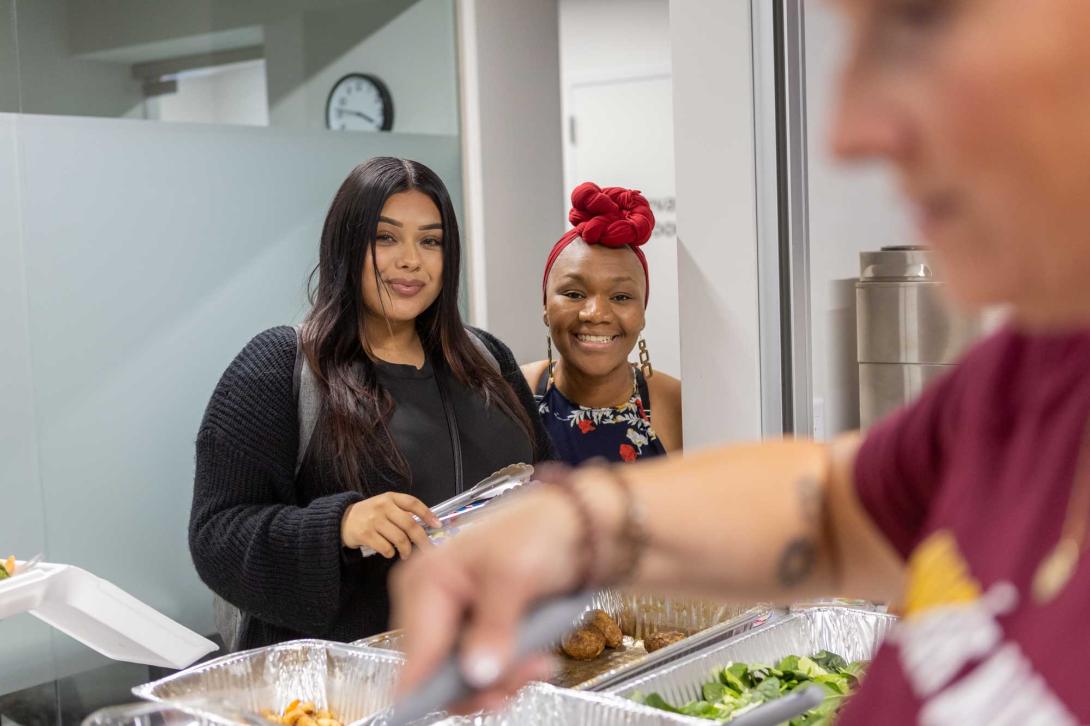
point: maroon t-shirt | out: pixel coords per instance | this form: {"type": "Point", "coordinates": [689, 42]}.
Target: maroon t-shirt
{"type": "Point", "coordinates": [971, 485]}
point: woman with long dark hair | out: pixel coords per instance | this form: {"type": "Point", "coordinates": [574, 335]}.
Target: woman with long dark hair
{"type": "Point", "coordinates": [409, 402]}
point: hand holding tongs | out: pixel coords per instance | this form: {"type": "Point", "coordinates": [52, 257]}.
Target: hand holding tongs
{"type": "Point", "coordinates": [543, 627]}
{"type": "Point", "coordinates": [514, 475]}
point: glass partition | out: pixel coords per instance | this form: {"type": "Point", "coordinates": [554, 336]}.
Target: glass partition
{"type": "Point", "coordinates": [247, 62]}
{"type": "Point", "coordinates": [137, 258]}
{"type": "Point", "coordinates": [9, 66]}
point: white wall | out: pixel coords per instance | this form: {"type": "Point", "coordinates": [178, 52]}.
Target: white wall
{"type": "Point", "coordinates": [717, 229]}
{"type": "Point", "coordinates": [618, 123]}
{"type": "Point", "coordinates": [852, 208]}
{"type": "Point", "coordinates": [599, 37]}
{"type": "Point", "coordinates": [413, 53]}
{"type": "Point", "coordinates": [510, 86]}
{"type": "Point", "coordinates": [233, 94]}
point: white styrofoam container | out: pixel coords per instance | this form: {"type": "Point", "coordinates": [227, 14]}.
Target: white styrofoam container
{"type": "Point", "coordinates": [101, 615]}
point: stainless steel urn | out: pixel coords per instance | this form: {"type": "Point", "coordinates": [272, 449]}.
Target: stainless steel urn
{"type": "Point", "coordinates": [907, 333]}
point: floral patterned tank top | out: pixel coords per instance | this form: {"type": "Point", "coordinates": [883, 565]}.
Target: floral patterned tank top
{"type": "Point", "coordinates": [579, 433]}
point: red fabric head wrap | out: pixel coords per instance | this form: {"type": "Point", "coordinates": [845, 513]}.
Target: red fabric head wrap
{"type": "Point", "coordinates": [613, 217]}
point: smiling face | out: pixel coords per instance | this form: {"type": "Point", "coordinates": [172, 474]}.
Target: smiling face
{"type": "Point", "coordinates": [594, 306]}
{"type": "Point", "coordinates": [983, 109]}
{"type": "Point", "coordinates": [408, 259]}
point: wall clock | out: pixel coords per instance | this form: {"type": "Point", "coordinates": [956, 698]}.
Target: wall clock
{"type": "Point", "coordinates": [359, 102]}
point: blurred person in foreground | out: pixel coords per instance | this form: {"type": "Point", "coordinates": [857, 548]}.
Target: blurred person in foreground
{"type": "Point", "coordinates": [971, 507]}
{"type": "Point", "coordinates": [594, 402]}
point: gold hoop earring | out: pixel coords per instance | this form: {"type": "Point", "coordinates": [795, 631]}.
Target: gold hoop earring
{"type": "Point", "coordinates": [645, 359]}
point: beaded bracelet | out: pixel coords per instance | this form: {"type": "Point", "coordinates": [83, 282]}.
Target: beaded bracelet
{"type": "Point", "coordinates": [633, 533]}
{"type": "Point", "coordinates": [560, 477]}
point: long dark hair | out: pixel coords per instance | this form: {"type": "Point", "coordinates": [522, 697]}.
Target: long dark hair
{"type": "Point", "coordinates": [353, 434]}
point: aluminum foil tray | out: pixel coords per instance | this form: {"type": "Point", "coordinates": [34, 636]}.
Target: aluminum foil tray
{"type": "Point", "coordinates": [540, 704]}
{"type": "Point", "coordinates": [641, 662]}
{"type": "Point", "coordinates": [638, 616]}
{"type": "Point", "coordinates": [351, 681]}
{"type": "Point", "coordinates": [851, 632]}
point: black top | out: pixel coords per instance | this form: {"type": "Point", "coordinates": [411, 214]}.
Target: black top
{"type": "Point", "coordinates": [270, 542]}
{"type": "Point", "coordinates": [489, 438]}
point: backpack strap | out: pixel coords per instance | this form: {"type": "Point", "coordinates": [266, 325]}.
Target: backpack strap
{"type": "Point", "coordinates": [483, 349]}
{"type": "Point", "coordinates": [308, 400]}
{"type": "Point", "coordinates": [233, 624]}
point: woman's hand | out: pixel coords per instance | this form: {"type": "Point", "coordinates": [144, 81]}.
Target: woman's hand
{"type": "Point", "coordinates": [386, 524]}
{"type": "Point", "coordinates": [480, 584]}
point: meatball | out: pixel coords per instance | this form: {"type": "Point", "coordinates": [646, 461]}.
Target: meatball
{"type": "Point", "coordinates": [601, 620]}
{"type": "Point", "coordinates": [657, 641]}
{"type": "Point", "coordinates": [586, 643]}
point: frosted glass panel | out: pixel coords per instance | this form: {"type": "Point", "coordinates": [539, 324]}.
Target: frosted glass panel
{"type": "Point", "coordinates": [152, 253]}
{"type": "Point", "coordinates": [247, 62]}
{"type": "Point", "coordinates": [22, 525]}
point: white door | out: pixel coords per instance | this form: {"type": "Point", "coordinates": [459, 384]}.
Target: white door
{"type": "Point", "coordinates": [621, 133]}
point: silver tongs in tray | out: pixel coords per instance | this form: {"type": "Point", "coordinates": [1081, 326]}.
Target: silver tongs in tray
{"type": "Point", "coordinates": [543, 626]}
{"type": "Point", "coordinates": [455, 511]}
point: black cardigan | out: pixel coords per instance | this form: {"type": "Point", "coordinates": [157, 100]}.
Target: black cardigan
{"type": "Point", "coordinates": [270, 542]}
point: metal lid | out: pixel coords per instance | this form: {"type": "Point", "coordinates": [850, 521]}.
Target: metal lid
{"type": "Point", "coordinates": [898, 263]}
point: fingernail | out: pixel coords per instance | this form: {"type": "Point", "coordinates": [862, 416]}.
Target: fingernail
{"type": "Point", "coordinates": [481, 669]}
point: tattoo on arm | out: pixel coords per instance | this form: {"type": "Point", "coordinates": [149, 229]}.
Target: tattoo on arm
{"type": "Point", "coordinates": [800, 555]}
{"type": "Point", "coordinates": [797, 561]}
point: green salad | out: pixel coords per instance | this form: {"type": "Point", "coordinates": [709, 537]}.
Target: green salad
{"type": "Point", "coordinates": [741, 687]}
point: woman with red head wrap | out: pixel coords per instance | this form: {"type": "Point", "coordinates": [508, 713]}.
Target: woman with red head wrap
{"type": "Point", "coordinates": [593, 401]}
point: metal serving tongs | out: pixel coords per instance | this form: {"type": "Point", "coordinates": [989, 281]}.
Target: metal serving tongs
{"type": "Point", "coordinates": [513, 476]}
{"type": "Point", "coordinates": [543, 627]}
{"type": "Point", "coordinates": [517, 474]}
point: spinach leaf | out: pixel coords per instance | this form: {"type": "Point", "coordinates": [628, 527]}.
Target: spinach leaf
{"type": "Point", "coordinates": [741, 687]}
{"type": "Point", "coordinates": [830, 661]}
{"type": "Point", "coordinates": [714, 691]}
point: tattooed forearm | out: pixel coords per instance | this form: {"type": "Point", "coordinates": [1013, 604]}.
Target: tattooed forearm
{"type": "Point", "coordinates": [799, 557]}
{"type": "Point", "coordinates": [797, 562]}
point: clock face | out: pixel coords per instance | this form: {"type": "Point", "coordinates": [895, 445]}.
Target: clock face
{"type": "Point", "coordinates": [359, 102]}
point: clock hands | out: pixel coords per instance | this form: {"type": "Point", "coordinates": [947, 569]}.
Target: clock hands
{"type": "Point", "coordinates": [365, 117]}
